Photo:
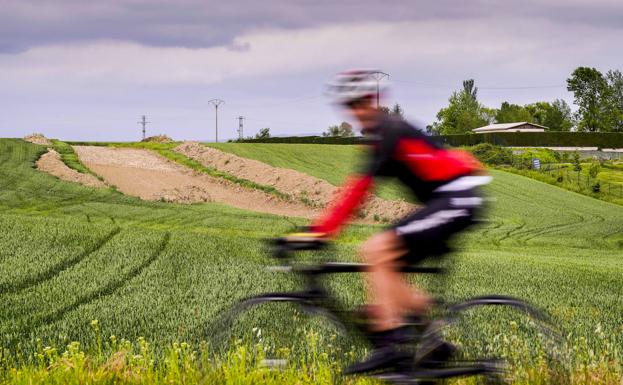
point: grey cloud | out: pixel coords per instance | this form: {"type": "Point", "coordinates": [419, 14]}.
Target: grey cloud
{"type": "Point", "coordinates": [201, 23]}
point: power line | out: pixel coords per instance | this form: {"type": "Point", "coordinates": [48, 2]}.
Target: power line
{"type": "Point", "coordinates": [216, 103]}
{"type": "Point", "coordinates": [485, 87]}
{"type": "Point", "coordinates": [279, 103]}
{"type": "Point", "coordinates": [240, 127]}
{"type": "Point", "coordinates": [378, 76]}
{"type": "Point", "coordinates": [271, 122]}
{"type": "Point", "coordinates": [144, 122]}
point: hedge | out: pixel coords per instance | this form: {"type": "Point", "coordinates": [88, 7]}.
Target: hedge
{"type": "Point", "coordinates": [507, 139]}
{"type": "Point", "coordinates": [307, 139]}
{"type": "Point", "coordinates": [538, 139]}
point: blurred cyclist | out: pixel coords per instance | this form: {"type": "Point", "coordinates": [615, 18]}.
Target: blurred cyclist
{"type": "Point", "coordinates": [446, 183]}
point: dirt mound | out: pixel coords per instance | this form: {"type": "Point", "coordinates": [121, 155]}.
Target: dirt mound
{"type": "Point", "coordinates": [37, 139]}
{"type": "Point", "coordinates": [158, 139]}
{"type": "Point", "coordinates": [149, 176]}
{"type": "Point", "coordinates": [303, 187]}
{"type": "Point", "coordinates": [51, 163]}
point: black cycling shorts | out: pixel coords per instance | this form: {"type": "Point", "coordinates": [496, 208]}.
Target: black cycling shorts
{"type": "Point", "coordinates": [427, 231]}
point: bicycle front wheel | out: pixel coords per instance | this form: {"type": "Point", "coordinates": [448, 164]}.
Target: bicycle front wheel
{"type": "Point", "coordinates": [278, 323]}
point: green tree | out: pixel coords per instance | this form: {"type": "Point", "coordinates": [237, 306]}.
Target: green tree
{"type": "Point", "coordinates": [344, 129]}
{"type": "Point", "coordinates": [385, 110]}
{"type": "Point", "coordinates": [511, 113]}
{"type": "Point", "coordinates": [538, 111]}
{"type": "Point", "coordinates": [398, 112]}
{"type": "Point", "coordinates": [590, 91]}
{"type": "Point", "coordinates": [614, 100]}
{"type": "Point", "coordinates": [263, 134]}
{"type": "Point", "coordinates": [464, 112]}
{"type": "Point", "coordinates": [558, 116]}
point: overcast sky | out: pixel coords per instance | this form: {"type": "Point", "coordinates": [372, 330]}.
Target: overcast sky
{"type": "Point", "coordinates": [87, 70]}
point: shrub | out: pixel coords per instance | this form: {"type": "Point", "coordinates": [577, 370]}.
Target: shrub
{"type": "Point", "coordinates": [490, 154]}
{"type": "Point", "coordinates": [596, 187]}
{"type": "Point", "coordinates": [594, 170]}
{"type": "Point", "coordinates": [545, 155]}
{"type": "Point", "coordinates": [576, 161]}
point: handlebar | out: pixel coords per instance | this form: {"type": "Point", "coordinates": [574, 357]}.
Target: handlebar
{"type": "Point", "coordinates": [282, 246]}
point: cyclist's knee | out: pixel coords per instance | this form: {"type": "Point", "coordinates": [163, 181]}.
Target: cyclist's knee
{"type": "Point", "coordinates": [383, 248]}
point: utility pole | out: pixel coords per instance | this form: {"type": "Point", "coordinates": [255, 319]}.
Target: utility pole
{"type": "Point", "coordinates": [216, 103]}
{"type": "Point", "coordinates": [144, 122]}
{"type": "Point", "coordinates": [240, 135]}
{"type": "Point", "coordinates": [378, 76]}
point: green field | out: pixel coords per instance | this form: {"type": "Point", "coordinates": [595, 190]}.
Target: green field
{"type": "Point", "coordinates": [69, 255]}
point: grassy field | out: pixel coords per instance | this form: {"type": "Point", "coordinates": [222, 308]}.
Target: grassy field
{"type": "Point", "coordinates": [160, 271]}
{"type": "Point", "coordinates": [331, 162]}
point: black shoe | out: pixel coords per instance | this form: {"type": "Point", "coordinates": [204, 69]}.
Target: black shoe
{"type": "Point", "coordinates": [434, 353]}
{"type": "Point", "coordinates": [380, 358]}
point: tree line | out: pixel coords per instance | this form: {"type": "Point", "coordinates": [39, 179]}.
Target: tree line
{"type": "Point", "coordinates": [345, 129]}
{"type": "Point", "coordinates": [599, 99]}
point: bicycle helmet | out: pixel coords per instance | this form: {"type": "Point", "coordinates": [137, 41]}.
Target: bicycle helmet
{"type": "Point", "coordinates": [350, 86]}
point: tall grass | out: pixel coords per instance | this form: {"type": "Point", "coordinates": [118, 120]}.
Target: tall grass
{"type": "Point", "coordinates": [70, 254]}
{"type": "Point", "coordinates": [119, 361]}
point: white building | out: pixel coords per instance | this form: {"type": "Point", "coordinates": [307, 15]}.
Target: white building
{"type": "Point", "coordinates": [510, 127]}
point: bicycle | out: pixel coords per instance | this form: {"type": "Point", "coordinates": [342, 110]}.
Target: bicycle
{"type": "Point", "coordinates": [315, 299]}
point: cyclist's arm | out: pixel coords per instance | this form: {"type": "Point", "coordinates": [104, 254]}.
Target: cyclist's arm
{"type": "Point", "coordinates": [356, 189]}
{"type": "Point", "coordinates": [349, 200]}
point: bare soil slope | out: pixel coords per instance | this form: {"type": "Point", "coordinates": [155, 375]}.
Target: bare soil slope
{"type": "Point", "coordinates": [51, 163]}
{"type": "Point", "coordinates": [300, 186]}
{"type": "Point", "coordinates": [149, 176]}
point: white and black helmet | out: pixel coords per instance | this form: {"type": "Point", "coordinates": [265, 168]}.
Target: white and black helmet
{"type": "Point", "coordinates": [350, 86]}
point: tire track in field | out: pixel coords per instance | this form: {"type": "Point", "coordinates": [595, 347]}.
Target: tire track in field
{"type": "Point", "coordinates": [490, 230]}
{"type": "Point", "coordinates": [533, 232]}
{"type": "Point", "coordinates": [584, 219]}
{"type": "Point", "coordinates": [105, 291]}
{"type": "Point", "coordinates": [56, 269]}
{"type": "Point", "coordinates": [511, 232]}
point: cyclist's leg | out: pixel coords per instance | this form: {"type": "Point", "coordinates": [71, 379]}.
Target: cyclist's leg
{"type": "Point", "coordinates": [409, 241]}
{"type": "Point", "coordinates": [389, 290]}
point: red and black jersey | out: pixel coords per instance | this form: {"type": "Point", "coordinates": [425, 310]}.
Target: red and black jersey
{"type": "Point", "coordinates": [399, 150]}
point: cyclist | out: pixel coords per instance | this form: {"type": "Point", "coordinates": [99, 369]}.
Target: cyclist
{"type": "Point", "coordinates": [445, 181]}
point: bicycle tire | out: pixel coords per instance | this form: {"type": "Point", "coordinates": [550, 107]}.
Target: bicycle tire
{"type": "Point", "coordinates": [223, 324]}
{"type": "Point", "coordinates": [556, 352]}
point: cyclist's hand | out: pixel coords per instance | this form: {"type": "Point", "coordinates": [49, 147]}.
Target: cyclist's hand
{"type": "Point", "coordinates": [303, 240]}
{"type": "Point", "coordinates": [308, 236]}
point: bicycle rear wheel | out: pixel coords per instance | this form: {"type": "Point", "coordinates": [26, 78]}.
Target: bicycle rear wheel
{"type": "Point", "coordinates": [530, 341]}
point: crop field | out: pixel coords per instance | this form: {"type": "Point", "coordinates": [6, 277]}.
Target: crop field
{"type": "Point", "coordinates": [160, 272]}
